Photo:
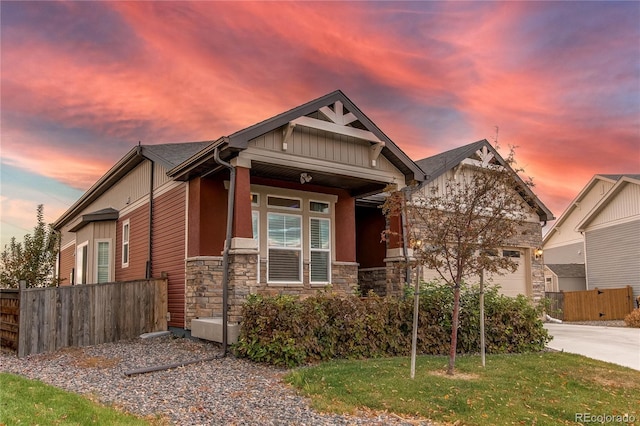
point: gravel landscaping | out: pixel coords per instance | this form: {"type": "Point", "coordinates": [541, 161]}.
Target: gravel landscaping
{"type": "Point", "coordinates": [224, 391]}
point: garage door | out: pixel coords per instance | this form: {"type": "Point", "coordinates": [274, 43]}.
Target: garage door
{"type": "Point", "coordinates": [511, 284]}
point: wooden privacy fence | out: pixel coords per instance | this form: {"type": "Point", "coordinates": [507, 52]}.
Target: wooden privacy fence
{"type": "Point", "coordinates": [591, 305]}
{"type": "Point", "coordinates": [56, 317]}
{"type": "Point", "coordinates": [9, 318]}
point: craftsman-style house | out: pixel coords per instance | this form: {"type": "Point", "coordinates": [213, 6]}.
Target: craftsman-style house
{"type": "Point", "coordinates": [284, 206]}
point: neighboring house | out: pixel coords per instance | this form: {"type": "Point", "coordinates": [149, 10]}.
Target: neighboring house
{"type": "Point", "coordinates": [565, 276]}
{"type": "Point", "coordinates": [600, 230]}
{"type": "Point", "coordinates": [528, 279]}
{"type": "Point", "coordinates": [612, 237]}
{"type": "Point", "coordinates": [298, 187]}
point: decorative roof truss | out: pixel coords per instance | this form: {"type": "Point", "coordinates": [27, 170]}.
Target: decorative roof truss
{"type": "Point", "coordinates": [340, 124]}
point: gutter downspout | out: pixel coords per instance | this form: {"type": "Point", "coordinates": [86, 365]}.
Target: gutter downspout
{"type": "Point", "coordinates": [227, 245]}
{"type": "Point", "coordinates": [149, 264]}
{"type": "Point", "coordinates": [405, 242]}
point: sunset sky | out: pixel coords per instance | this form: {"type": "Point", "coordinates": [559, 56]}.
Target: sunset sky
{"type": "Point", "coordinates": [83, 82]}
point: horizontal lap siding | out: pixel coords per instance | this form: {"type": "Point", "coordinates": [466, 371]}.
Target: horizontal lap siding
{"type": "Point", "coordinates": [138, 245]}
{"type": "Point", "coordinates": [169, 248]}
{"type": "Point", "coordinates": [613, 255]}
{"type": "Point", "coordinates": [67, 260]}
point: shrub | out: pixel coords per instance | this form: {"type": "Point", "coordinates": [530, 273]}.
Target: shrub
{"type": "Point", "coordinates": [286, 331]}
{"type": "Point", "coordinates": [633, 319]}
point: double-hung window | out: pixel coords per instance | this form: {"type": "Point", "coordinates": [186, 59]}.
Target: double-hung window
{"type": "Point", "coordinates": [125, 243]}
{"type": "Point", "coordinates": [284, 240]}
{"type": "Point", "coordinates": [103, 261]}
{"type": "Point", "coordinates": [320, 251]}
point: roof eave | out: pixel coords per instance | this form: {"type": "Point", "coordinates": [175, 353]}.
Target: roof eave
{"type": "Point", "coordinates": [121, 168]}
{"type": "Point", "coordinates": [183, 170]}
{"type": "Point", "coordinates": [619, 185]}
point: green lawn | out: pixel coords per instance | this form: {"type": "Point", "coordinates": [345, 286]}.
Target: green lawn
{"type": "Point", "coordinates": [30, 402]}
{"type": "Point", "coordinates": [542, 389]}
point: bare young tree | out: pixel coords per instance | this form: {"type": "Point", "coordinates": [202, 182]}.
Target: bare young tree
{"type": "Point", "coordinates": [33, 260]}
{"type": "Point", "coordinates": [462, 225]}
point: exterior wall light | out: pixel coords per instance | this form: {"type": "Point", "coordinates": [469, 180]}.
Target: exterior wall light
{"type": "Point", "coordinates": [538, 253]}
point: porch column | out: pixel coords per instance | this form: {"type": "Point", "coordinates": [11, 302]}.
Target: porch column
{"type": "Point", "coordinates": [242, 224]}
{"type": "Point", "coordinates": [345, 229]}
{"type": "Point", "coordinates": [243, 257]}
{"type": "Point", "coordinates": [396, 273]}
{"type": "Point", "coordinates": [394, 245]}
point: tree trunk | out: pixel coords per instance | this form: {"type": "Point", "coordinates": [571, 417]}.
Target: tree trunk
{"type": "Point", "coordinates": [454, 329]}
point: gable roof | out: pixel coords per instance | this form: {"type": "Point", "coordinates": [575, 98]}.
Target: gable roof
{"type": "Point", "coordinates": [166, 154]}
{"type": "Point", "coordinates": [611, 178]}
{"type": "Point", "coordinates": [439, 164]}
{"type": "Point", "coordinates": [623, 180]}
{"type": "Point", "coordinates": [238, 141]}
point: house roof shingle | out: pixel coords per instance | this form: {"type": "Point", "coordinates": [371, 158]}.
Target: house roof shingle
{"type": "Point", "coordinates": [567, 270]}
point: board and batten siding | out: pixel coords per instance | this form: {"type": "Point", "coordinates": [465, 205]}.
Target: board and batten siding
{"type": "Point", "coordinates": [439, 185]}
{"type": "Point", "coordinates": [566, 233]}
{"type": "Point", "coordinates": [168, 248]}
{"type": "Point", "coordinates": [625, 204]}
{"type": "Point", "coordinates": [322, 145]}
{"type": "Point", "coordinates": [127, 192]}
{"type": "Point", "coordinates": [613, 256]}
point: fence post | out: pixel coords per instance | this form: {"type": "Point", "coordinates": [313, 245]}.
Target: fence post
{"type": "Point", "coordinates": [22, 320]}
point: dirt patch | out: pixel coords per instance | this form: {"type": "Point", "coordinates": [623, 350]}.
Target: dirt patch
{"type": "Point", "coordinates": [97, 362]}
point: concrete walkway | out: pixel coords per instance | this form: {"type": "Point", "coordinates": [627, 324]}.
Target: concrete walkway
{"type": "Point", "coordinates": [618, 345]}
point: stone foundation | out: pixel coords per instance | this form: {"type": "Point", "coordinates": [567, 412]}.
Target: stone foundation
{"type": "Point", "coordinates": [204, 275]}
{"type": "Point", "coordinates": [203, 288]}
{"type": "Point", "coordinates": [373, 280]}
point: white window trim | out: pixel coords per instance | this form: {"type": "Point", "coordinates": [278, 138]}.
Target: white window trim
{"type": "Point", "coordinates": [97, 257]}
{"type": "Point", "coordinates": [256, 213]}
{"type": "Point", "coordinates": [328, 250]}
{"type": "Point", "coordinates": [300, 249]}
{"type": "Point", "coordinates": [127, 224]}
{"type": "Point", "coordinates": [79, 261]}
{"type": "Point", "coordinates": [257, 203]}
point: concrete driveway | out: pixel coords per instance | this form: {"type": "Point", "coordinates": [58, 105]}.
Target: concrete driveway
{"type": "Point", "coordinates": [618, 345]}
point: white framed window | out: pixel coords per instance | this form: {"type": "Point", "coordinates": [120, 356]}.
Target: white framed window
{"type": "Point", "coordinates": [255, 225]}
{"type": "Point", "coordinates": [319, 250]}
{"type": "Point", "coordinates": [284, 202]}
{"type": "Point", "coordinates": [318, 207]}
{"type": "Point", "coordinates": [103, 261]}
{"type": "Point", "coordinates": [255, 199]}
{"type": "Point", "coordinates": [82, 257]}
{"type": "Point", "coordinates": [284, 243]}
{"type": "Point", "coordinates": [126, 229]}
